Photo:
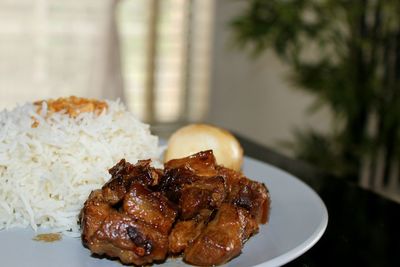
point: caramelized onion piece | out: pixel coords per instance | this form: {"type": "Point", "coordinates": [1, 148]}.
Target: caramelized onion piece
{"type": "Point", "coordinates": [73, 106]}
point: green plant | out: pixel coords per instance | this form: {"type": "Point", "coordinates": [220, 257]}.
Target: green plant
{"type": "Point", "coordinates": [354, 70]}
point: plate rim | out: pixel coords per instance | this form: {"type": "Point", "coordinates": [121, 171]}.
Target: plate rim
{"type": "Point", "coordinates": [308, 243]}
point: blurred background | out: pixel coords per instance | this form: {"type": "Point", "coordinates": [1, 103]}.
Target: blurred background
{"type": "Point", "coordinates": [317, 80]}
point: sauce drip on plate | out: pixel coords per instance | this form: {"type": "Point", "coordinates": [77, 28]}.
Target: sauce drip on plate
{"type": "Point", "coordinates": [50, 237]}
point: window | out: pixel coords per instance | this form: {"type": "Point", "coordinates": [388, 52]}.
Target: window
{"type": "Point", "coordinates": [166, 57]}
{"type": "Point", "coordinates": [53, 48]}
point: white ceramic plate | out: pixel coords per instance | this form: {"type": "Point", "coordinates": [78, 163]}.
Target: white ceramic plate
{"type": "Point", "coordinates": [298, 219]}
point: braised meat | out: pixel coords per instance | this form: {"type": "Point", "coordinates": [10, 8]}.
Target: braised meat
{"type": "Point", "coordinates": [132, 241]}
{"type": "Point", "coordinates": [126, 219]}
{"type": "Point", "coordinates": [186, 231]}
{"type": "Point", "coordinates": [223, 238]}
{"type": "Point", "coordinates": [243, 192]}
{"type": "Point", "coordinates": [193, 207]}
{"type": "Point", "coordinates": [202, 164]}
{"type": "Point", "coordinates": [193, 183]}
{"type": "Point", "coordinates": [124, 174]}
{"type": "Point", "coordinates": [183, 234]}
{"type": "Point", "coordinates": [150, 207]}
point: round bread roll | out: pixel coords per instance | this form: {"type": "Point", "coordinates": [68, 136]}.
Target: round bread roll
{"type": "Point", "coordinates": [199, 137]}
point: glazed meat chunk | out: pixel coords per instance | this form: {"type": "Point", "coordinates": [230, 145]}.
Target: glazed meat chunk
{"type": "Point", "coordinates": [223, 238]}
{"type": "Point", "coordinates": [123, 174]}
{"type": "Point", "coordinates": [243, 192]}
{"type": "Point", "coordinates": [183, 233]}
{"type": "Point", "coordinates": [126, 219]}
{"type": "Point", "coordinates": [186, 231]}
{"type": "Point", "coordinates": [202, 164]}
{"type": "Point", "coordinates": [193, 184]}
{"type": "Point", "coordinates": [150, 207]}
{"type": "Point", "coordinates": [94, 212]}
{"type": "Point", "coordinates": [130, 240]}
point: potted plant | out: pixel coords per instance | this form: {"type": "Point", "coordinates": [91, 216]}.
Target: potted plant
{"type": "Point", "coordinates": [354, 70]}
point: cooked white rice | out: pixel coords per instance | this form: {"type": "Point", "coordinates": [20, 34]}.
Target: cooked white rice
{"type": "Point", "coordinates": [47, 172]}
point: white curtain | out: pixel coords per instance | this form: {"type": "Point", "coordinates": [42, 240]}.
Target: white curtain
{"type": "Point", "coordinates": [53, 48]}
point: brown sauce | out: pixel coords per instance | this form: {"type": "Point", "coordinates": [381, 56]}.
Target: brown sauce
{"type": "Point", "coordinates": [50, 237]}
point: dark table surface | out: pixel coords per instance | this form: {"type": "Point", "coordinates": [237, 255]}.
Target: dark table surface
{"type": "Point", "coordinates": [362, 227]}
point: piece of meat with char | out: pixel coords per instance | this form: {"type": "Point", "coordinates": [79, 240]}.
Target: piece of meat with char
{"type": "Point", "coordinates": [94, 212]}
{"type": "Point", "coordinates": [123, 174]}
{"type": "Point", "coordinates": [193, 184]}
{"type": "Point", "coordinates": [223, 238]}
{"type": "Point", "coordinates": [150, 207]}
{"type": "Point", "coordinates": [248, 194]}
{"type": "Point", "coordinates": [128, 239]}
{"type": "Point", "coordinates": [132, 226]}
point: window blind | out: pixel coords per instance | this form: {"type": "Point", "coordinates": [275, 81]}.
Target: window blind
{"type": "Point", "coordinates": [166, 50]}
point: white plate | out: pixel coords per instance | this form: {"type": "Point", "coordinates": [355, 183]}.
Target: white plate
{"type": "Point", "coordinates": [298, 219]}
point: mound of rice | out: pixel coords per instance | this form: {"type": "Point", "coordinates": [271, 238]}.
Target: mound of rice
{"type": "Point", "coordinates": [48, 171]}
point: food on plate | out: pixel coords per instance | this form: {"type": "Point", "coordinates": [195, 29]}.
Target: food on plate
{"type": "Point", "coordinates": [53, 153]}
{"type": "Point", "coordinates": [199, 137]}
{"type": "Point", "coordinates": [73, 106]}
{"type": "Point", "coordinates": [49, 237]}
{"type": "Point", "coordinates": [56, 153]}
{"type": "Point", "coordinates": [193, 207]}
{"type": "Point", "coordinates": [126, 219]}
